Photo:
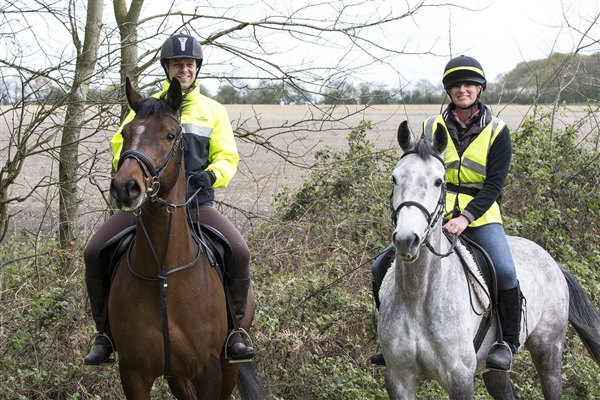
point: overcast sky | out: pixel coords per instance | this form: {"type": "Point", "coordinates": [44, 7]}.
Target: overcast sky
{"type": "Point", "coordinates": [500, 34]}
{"type": "Point", "coordinates": [505, 33]}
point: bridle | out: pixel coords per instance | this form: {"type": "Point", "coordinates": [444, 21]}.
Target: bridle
{"type": "Point", "coordinates": [432, 217]}
{"type": "Point", "coordinates": [151, 173]}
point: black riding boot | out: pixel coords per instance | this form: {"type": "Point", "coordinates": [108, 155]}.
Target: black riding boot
{"type": "Point", "coordinates": [384, 262]}
{"type": "Point", "coordinates": [103, 348]}
{"type": "Point", "coordinates": [237, 349]}
{"type": "Point", "coordinates": [500, 356]}
{"type": "Point", "coordinates": [101, 353]}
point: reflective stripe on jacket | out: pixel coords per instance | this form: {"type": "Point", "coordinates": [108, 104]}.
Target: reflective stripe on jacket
{"type": "Point", "coordinates": [208, 139]}
{"type": "Point", "coordinates": [469, 170]}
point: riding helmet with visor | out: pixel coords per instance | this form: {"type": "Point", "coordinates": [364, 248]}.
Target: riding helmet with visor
{"type": "Point", "coordinates": [181, 45]}
{"type": "Point", "coordinates": [463, 69]}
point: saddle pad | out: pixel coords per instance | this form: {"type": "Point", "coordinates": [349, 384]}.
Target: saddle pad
{"type": "Point", "coordinates": [475, 276]}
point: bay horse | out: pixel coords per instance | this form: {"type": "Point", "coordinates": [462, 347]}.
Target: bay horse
{"type": "Point", "coordinates": [167, 307]}
{"type": "Point", "coordinates": [429, 316]}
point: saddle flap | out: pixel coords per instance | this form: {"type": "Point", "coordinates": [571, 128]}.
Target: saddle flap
{"type": "Point", "coordinates": [218, 247]}
{"type": "Point", "coordinates": [115, 247]}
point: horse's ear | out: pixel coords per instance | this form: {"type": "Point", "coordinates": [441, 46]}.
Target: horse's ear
{"type": "Point", "coordinates": [174, 97]}
{"type": "Point", "coordinates": [133, 97]}
{"type": "Point", "coordinates": [440, 139]}
{"type": "Point", "coordinates": [404, 136]}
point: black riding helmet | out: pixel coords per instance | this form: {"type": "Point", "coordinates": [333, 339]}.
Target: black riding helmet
{"type": "Point", "coordinates": [463, 69]}
{"type": "Point", "coordinates": [181, 46]}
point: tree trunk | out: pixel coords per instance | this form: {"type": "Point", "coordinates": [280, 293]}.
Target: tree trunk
{"type": "Point", "coordinates": [68, 157]}
{"type": "Point", "coordinates": [127, 22]}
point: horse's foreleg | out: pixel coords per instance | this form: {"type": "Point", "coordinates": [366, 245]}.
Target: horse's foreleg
{"type": "Point", "coordinates": [230, 375]}
{"type": "Point", "coordinates": [402, 386]}
{"type": "Point", "coordinates": [208, 384]}
{"type": "Point", "coordinates": [135, 386]}
{"type": "Point", "coordinates": [182, 388]}
{"type": "Point", "coordinates": [458, 383]}
{"type": "Point", "coordinates": [499, 386]}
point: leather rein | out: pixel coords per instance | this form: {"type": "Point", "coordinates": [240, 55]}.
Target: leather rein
{"type": "Point", "coordinates": [152, 182]}
{"type": "Point", "coordinates": [432, 217]}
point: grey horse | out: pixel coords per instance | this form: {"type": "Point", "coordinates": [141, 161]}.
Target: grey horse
{"type": "Point", "coordinates": [429, 316]}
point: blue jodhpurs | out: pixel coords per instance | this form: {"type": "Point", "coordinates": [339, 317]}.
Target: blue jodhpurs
{"type": "Point", "coordinates": [493, 240]}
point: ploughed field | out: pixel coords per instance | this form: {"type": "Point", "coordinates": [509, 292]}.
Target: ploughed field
{"type": "Point", "coordinates": [293, 133]}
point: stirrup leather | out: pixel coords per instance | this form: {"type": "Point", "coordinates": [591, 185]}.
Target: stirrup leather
{"type": "Point", "coordinates": [243, 333]}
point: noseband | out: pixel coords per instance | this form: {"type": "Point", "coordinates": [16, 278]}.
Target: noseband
{"type": "Point", "coordinates": [433, 217]}
{"type": "Point", "coordinates": [151, 173]}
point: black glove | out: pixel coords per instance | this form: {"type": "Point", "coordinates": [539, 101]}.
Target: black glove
{"type": "Point", "coordinates": [202, 180]}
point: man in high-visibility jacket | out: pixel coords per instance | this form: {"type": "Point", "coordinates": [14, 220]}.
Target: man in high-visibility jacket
{"type": "Point", "coordinates": [211, 160]}
{"type": "Point", "coordinates": [477, 160]}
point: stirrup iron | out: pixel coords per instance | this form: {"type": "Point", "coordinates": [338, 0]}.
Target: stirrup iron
{"type": "Point", "coordinates": [512, 356]}
{"type": "Point", "coordinates": [243, 333]}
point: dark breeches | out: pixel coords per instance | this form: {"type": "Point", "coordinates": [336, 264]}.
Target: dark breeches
{"type": "Point", "coordinates": [207, 215]}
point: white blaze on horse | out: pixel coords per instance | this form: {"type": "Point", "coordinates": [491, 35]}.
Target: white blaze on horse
{"type": "Point", "coordinates": [429, 314]}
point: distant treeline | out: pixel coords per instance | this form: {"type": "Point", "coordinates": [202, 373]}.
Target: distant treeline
{"type": "Point", "coordinates": [572, 79]}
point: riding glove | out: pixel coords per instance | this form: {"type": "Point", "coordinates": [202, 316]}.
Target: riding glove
{"type": "Point", "coordinates": [202, 180]}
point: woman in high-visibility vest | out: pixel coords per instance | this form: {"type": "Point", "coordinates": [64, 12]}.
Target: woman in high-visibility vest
{"type": "Point", "coordinates": [211, 160]}
{"type": "Point", "coordinates": [477, 160]}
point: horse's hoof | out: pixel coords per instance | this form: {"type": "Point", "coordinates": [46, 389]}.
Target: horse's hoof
{"type": "Point", "coordinates": [377, 359]}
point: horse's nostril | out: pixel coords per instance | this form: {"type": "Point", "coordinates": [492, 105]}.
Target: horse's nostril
{"type": "Point", "coordinates": [416, 242]}
{"type": "Point", "coordinates": [114, 189]}
{"type": "Point", "coordinates": [133, 189]}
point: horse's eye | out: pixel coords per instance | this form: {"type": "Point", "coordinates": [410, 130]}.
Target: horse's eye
{"type": "Point", "coordinates": [171, 137]}
{"type": "Point", "coordinates": [439, 182]}
{"type": "Point", "coordinates": [393, 179]}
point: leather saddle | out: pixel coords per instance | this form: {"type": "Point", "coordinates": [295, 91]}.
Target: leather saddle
{"type": "Point", "coordinates": [216, 245]}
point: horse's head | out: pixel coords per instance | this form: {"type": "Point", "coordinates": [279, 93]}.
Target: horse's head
{"type": "Point", "coordinates": [419, 190]}
{"type": "Point", "coordinates": [151, 158]}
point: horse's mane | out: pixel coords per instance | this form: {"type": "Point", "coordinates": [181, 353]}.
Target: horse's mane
{"type": "Point", "coordinates": [423, 148]}
{"type": "Point", "coordinates": [153, 106]}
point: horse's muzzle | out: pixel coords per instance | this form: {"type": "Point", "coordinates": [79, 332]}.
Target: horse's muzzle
{"type": "Point", "coordinates": [129, 195]}
{"type": "Point", "coordinates": [407, 247]}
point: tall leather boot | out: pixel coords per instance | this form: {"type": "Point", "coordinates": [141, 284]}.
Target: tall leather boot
{"type": "Point", "coordinates": [103, 349]}
{"type": "Point", "coordinates": [380, 268]}
{"type": "Point", "coordinates": [377, 358]}
{"type": "Point", "coordinates": [500, 356]}
{"type": "Point", "coordinates": [237, 349]}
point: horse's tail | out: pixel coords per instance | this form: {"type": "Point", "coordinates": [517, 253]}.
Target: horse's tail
{"type": "Point", "coordinates": [250, 385]}
{"type": "Point", "coordinates": [583, 316]}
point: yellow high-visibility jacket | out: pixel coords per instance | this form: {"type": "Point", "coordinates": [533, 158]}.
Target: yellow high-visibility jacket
{"type": "Point", "coordinates": [208, 139]}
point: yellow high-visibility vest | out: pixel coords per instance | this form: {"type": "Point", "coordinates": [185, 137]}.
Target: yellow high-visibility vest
{"type": "Point", "coordinates": [468, 171]}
